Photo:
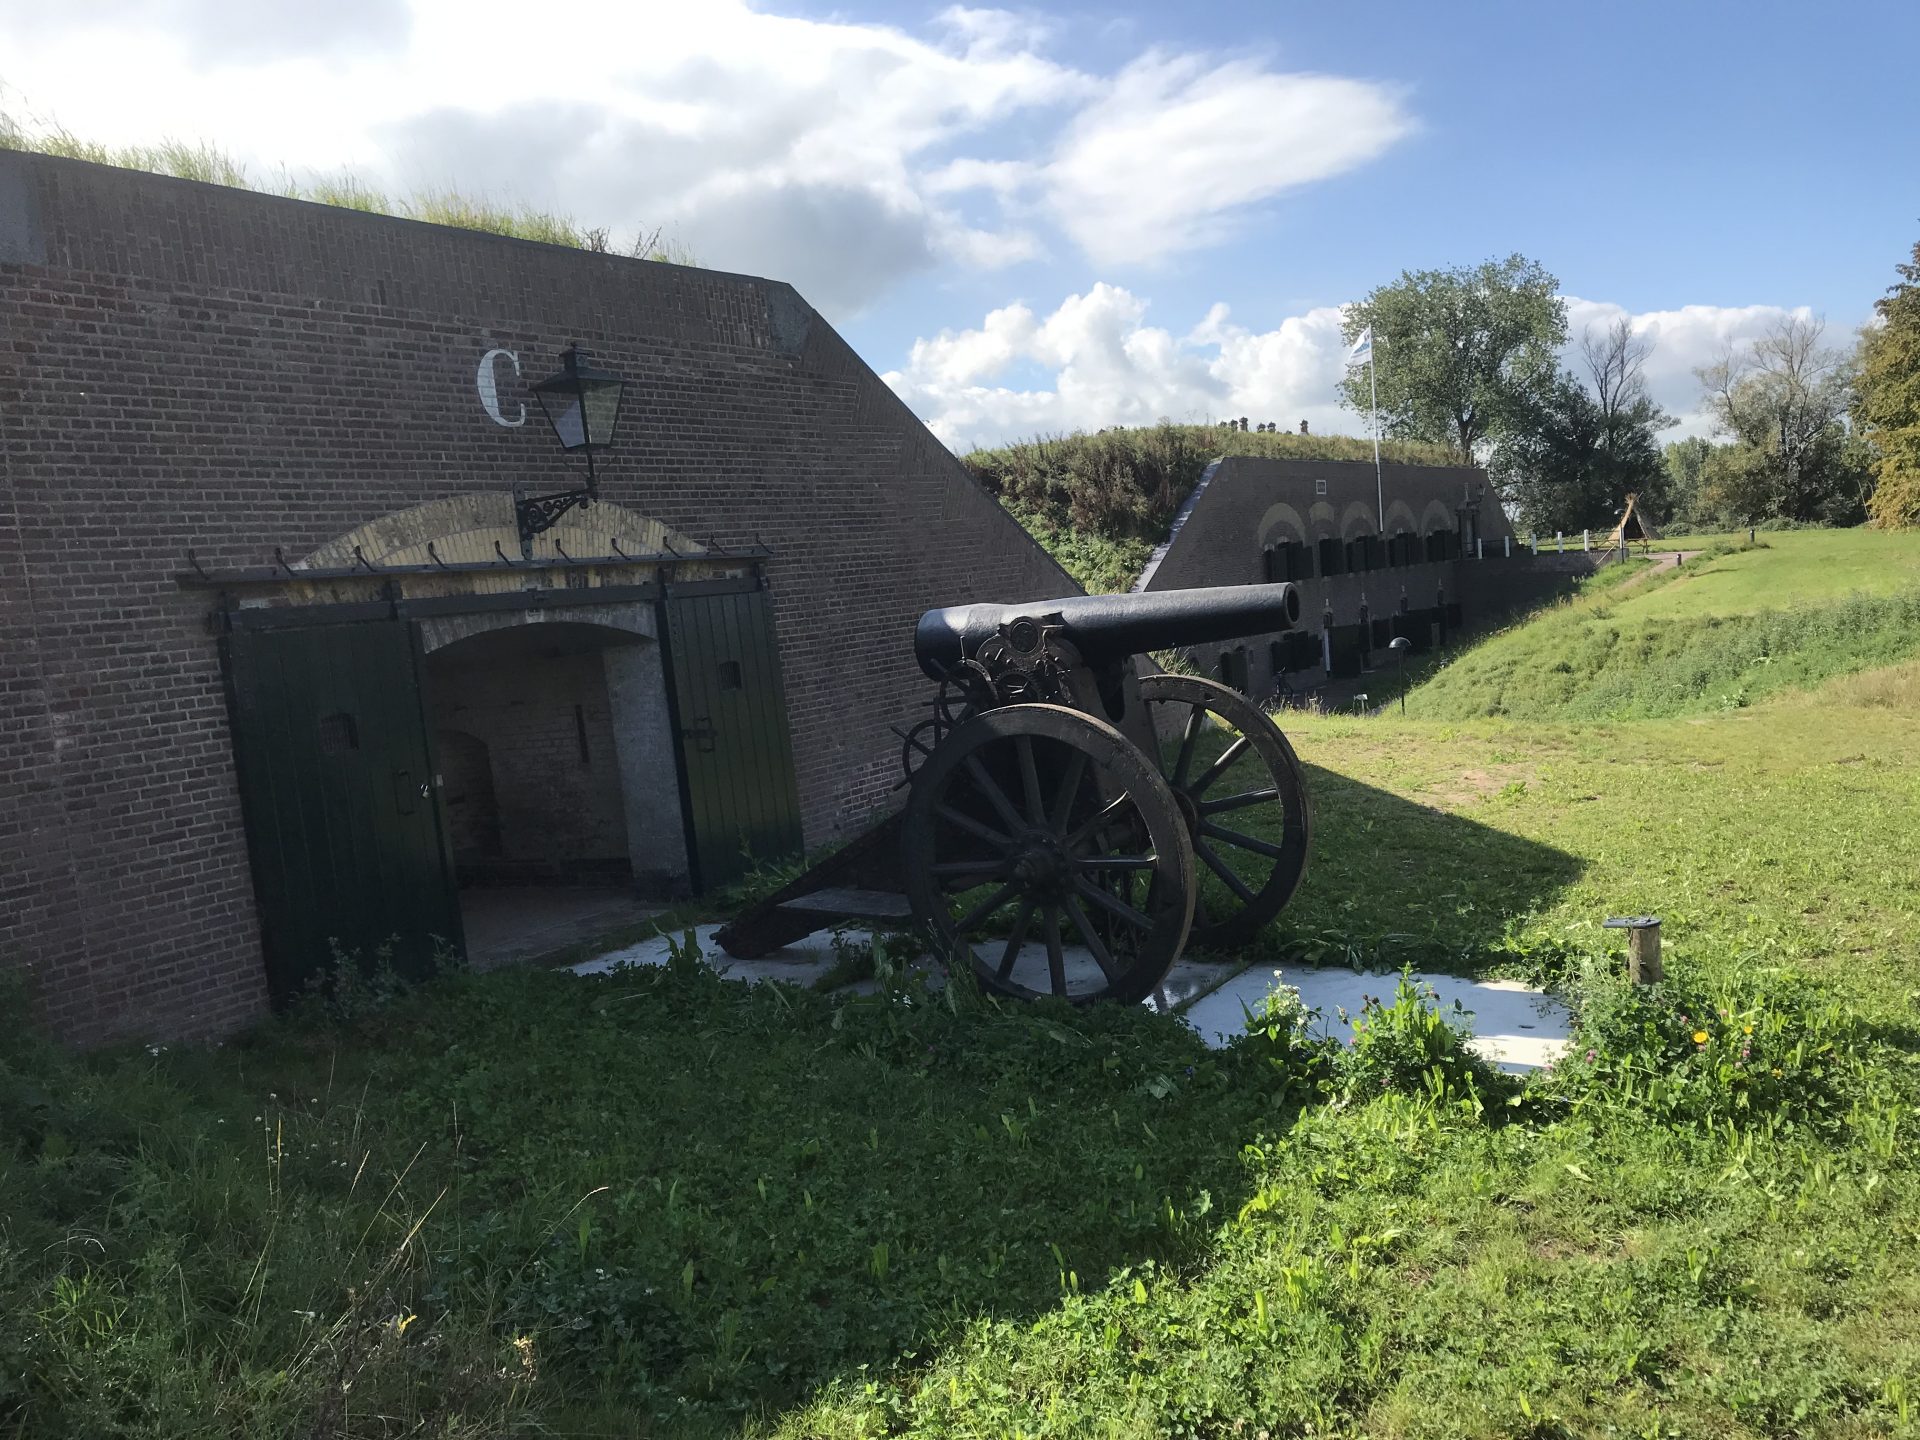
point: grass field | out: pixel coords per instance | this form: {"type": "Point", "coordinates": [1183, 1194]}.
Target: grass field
{"type": "Point", "coordinates": [1796, 568]}
{"type": "Point", "coordinates": [657, 1204]}
{"type": "Point", "coordinates": [1732, 627]}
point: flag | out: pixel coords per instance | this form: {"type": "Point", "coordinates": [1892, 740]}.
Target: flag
{"type": "Point", "coordinates": [1362, 348]}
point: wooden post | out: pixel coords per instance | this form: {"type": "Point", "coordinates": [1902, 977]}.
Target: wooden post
{"type": "Point", "coordinates": [1644, 966]}
{"type": "Point", "coordinates": [1643, 955]}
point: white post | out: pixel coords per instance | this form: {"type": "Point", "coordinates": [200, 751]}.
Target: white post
{"type": "Point", "coordinates": [1586, 539]}
{"type": "Point", "coordinates": [1559, 542]}
{"type": "Point", "coordinates": [1507, 540]}
{"type": "Point", "coordinates": [1373, 383]}
{"type": "Point", "coordinates": [1479, 548]}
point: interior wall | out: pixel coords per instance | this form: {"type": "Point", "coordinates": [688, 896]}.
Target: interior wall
{"type": "Point", "coordinates": [649, 772]}
{"type": "Point", "coordinates": [547, 726]}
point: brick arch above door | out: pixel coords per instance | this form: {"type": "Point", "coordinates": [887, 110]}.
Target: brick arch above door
{"type": "Point", "coordinates": [464, 529]}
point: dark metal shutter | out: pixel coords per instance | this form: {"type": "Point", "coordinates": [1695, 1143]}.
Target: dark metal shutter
{"type": "Point", "coordinates": [339, 798]}
{"type": "Point", "coordinates": [738, 789]}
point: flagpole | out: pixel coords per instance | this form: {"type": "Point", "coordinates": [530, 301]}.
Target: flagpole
{"type": "Point", "coordinates": [1379, 484]}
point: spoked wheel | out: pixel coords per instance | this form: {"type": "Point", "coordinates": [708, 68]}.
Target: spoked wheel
{"type": "Point", "coordinates": [1240, 790]}
{"type": "Point", "coordinates": [1042, 847]}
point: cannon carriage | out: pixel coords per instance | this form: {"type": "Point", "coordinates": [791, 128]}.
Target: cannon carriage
{"type": "Point", "coordinates": [1072, 825]}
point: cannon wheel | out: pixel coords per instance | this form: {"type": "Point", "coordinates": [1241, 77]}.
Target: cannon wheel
{"type": "Point", "coordinates": [1246, 809]}
{"type": "Point", "coordinates": [1043, 846]}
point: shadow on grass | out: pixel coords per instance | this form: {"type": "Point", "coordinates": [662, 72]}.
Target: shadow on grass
{"type": "Point", "coordinates": [703, 1200]}
{"type": "Point", "coordinates": [1393, 882]}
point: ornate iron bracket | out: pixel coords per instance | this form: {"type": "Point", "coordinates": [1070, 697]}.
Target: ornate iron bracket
{"type": "Point", "coordinates": [536, 514]}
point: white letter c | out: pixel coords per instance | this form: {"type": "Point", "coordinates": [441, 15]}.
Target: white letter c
{"type": "Point", "coordinates": [490, 391]}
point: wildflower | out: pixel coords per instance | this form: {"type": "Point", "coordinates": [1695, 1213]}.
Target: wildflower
{"type": "Point", "coordinates": [1591, 1055]}
{"type": "Point", "coordinates": [1749, 1030]}
{"type": "Point", "coordinates": [1699, 1037]}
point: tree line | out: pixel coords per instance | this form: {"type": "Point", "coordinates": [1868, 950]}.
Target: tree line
{"type": "Point", "coordinates": [1803, 429]}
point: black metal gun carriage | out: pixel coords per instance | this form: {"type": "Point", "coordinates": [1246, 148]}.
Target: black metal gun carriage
{"type": "Point", "coordinates": [1071, 825]}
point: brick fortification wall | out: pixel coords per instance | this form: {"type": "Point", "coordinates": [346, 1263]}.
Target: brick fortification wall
{"type": "Point", "coordinates": [188, 366]}
{"type": "Point", "coordinates": [1249, 503]}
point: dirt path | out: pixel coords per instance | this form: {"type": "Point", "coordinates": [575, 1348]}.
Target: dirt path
{"type": "Point", "coordinates": [1662, 562]}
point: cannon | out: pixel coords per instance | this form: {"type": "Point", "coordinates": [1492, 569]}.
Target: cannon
{"type": "Point", "coordinates": [1071, 825]}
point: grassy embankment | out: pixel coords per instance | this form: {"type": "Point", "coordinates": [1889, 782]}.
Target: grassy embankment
{"type": "Point", "coordinates": [1100, 503]}
{"type": "Point", "coordinates": [1718, 633]}
{"type": "Point", "coordinates": [658, 1204]}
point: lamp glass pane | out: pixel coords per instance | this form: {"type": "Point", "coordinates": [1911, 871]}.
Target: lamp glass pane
{"type": "Point", "coordinates": [602, 409]}
{"type": "Point", "coordinates": [564, 414]}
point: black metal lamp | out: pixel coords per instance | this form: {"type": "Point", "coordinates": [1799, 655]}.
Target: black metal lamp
{"type": "Point", "coordinates": [582, 404]}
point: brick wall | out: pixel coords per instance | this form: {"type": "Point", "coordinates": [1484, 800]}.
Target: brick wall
{"type": "Point", "coordinates": [554, 803]}
{"type": "Point", "coordinates": [1249, 503]}
{"type": "Point", "coordinates": [184, 366]}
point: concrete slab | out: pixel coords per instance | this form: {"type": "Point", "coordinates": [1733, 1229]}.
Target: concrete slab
{"type": "Point", "coordinates": [1516, 1028]}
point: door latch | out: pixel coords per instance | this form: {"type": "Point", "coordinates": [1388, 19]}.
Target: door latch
{"type": "Point", "coordinates": [701, 734]}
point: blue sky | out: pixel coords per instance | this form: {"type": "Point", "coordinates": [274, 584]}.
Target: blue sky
{"type": "Point", "coordinates": [1043, 218]}
{"type": "Point", "coordinates": [1654, 154]}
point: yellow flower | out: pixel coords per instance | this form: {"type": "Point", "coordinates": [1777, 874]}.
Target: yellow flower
{"type": "Point", "coordinates": [1699, 1037]}
{"type": "Point", "coordinates": [1749, 1029]}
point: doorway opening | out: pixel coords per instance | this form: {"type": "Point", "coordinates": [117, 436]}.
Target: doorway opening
{"type": "Point", "coordinates": [556, 772]}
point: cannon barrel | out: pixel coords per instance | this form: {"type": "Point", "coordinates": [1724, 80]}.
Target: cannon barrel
{"type": "Point", "coordinates": [1107, 628]}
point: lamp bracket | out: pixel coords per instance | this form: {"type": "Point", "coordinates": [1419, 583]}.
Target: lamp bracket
{"type": "Point", "coordinates": [536, 514]}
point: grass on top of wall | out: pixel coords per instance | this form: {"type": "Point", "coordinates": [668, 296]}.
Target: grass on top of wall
{"type": "Point", "coordinates": [1100, 502]}
{"type": "Point", "coordinates": [208, 163]}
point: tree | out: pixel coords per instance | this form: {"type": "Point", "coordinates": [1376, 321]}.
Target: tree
{"type": "Point", "coordinates": [1686, 464]}
{"type": "Point", "coordinates": [1460, 354]}
{"type": "Point", "coordinates": [1584, 445]}
{"type": "Point", "coordinates": [1886, 403]}
{"type": "Point", "coordinates": [1782, 403]}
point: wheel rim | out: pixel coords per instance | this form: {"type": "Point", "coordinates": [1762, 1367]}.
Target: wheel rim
{"type": "Point", "coordinates": [1045, 850]}
{"type": "Point", "coordinates": [1248, 818]}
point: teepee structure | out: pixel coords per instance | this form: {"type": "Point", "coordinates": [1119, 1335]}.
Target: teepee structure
{"type": "Point", "coordinates": [1633, 526]}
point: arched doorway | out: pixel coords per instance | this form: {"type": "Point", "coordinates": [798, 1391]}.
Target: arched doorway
{"type": "Point", "coordinates": [557, 776]}
{"type": "Point", "coordinates": [432, 742]}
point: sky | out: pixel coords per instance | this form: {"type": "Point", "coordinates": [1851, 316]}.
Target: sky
{"type": "Point", "coordinates": [1042, 219]}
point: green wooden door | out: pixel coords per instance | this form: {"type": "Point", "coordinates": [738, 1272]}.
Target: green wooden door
{"type": "Point", "coordinates": [735, 752]}
{"type": "Point", "coordinates": [341, 803]}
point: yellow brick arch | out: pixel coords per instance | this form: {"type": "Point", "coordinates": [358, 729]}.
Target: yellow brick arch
{"type": "Point", "coordinates": [463, 529]}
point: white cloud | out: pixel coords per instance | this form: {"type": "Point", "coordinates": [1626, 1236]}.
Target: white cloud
{"type": "Point", "coordinates": [1095, 361]}
{"type": "Point", "coordinates": [842, 156]}
{"type": "Point", "coordinates": [1683, 339]}
{"type": "Point", "coordinates": [1174, 150]}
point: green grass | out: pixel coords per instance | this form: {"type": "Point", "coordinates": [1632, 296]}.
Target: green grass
{"type": "Point", "coordinates": [1793, 569]}
{"type": "Point", "coordinates": [208, 163]}
{"type": "Point", "coordinates": [1723, 631]}
{"type": "Point", "coordinates": [658, 1204]}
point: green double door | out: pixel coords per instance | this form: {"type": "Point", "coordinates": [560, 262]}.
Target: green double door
{"type": "Point", "coordinates": [341, 797]}
{"type": "Point", "coordinates": [735, 751]}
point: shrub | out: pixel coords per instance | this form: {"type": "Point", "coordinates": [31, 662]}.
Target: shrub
{"type": "Point", "coordinates": [1413, 1046]}
{"type": "Point", "coordinates": [1761, 1045]}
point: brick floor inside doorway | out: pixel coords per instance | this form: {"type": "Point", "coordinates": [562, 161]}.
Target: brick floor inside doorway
{"type": "Point", "coordinates": [513, 925]}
